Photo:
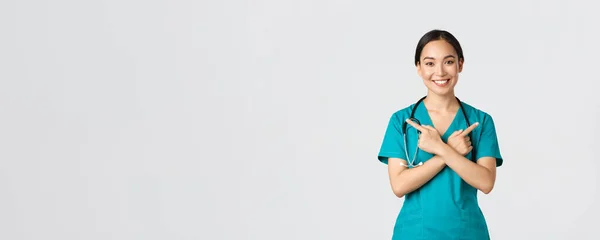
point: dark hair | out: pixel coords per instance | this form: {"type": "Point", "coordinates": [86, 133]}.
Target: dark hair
{"type": "Point", "coordinates": [437, 34]}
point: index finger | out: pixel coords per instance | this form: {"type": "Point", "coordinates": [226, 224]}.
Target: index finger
{"type": "Point", "coordinates": [469, 129]}
{"type": "Point", "coordinates": [417, 126]}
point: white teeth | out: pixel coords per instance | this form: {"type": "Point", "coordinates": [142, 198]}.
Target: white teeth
{"type": "Point", "coordinates": [441, 82]}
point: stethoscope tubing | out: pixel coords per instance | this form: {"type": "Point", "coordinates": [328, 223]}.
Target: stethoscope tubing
{"type": "Point", "coordinates": [412, 118]}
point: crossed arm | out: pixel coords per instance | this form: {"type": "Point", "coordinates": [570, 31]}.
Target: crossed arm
{"type": "Point", "coordinates": [405, 180]}
{"type": "Point", "coordinates": [480, 175]}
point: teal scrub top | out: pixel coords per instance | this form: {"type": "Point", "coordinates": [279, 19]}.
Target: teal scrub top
{"type": "Point", "coordinates": [446, 207]}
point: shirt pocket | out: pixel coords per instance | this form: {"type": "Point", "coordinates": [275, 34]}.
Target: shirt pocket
{"type": "Point", "coordinates": [409, 225]}
{"type": "Point", "coordinates": [473, 226]}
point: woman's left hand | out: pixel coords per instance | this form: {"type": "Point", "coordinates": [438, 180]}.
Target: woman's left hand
{"type": "Point", "coordinates": [429, 139]}
{"type": "Point", "coordinates": [460, 141]}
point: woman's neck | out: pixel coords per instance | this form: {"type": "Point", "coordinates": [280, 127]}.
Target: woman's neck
{"type": "Point", "coordinates": [438, 103]}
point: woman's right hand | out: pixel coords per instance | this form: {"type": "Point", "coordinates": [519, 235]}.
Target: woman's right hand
{"type": "Point", "coordinates": [429, 139]}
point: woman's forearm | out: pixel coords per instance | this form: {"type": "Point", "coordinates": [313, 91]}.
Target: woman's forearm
{"type": "Point", "coordinates": [409, 179]}
{"type": "Point", "coordinates": [474, 174]}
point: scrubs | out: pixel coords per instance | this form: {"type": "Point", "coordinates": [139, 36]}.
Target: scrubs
{"type": "Point", "coordinates": [446, 207]}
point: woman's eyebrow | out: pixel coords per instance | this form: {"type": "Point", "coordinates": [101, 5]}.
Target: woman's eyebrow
{"type": "Point", "coordinates": [449, 56]}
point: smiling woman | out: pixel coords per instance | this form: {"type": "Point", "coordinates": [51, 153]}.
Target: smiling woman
{"type": "Point", "coordinates": [439, 58]}
{"type": "Point", "coordinates": [452, 158]}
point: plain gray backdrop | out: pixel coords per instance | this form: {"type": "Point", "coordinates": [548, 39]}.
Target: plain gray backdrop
{"type": "Point", "coordinates": [263, 119]}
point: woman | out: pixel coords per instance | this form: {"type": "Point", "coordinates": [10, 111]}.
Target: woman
{"type": "Point", "coordinates": [455, 154]}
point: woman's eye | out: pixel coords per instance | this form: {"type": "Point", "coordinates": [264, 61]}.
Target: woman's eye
{"type": "Point", "coordinates": [450, 62]}
{"type": "Point", "coordinates": [429, 63]}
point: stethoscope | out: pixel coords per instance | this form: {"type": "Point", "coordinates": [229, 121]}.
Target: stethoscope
{"type": "Point", "coordinates": [412, 118]}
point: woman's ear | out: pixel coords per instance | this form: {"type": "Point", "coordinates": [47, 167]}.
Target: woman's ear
{"type": "Point", "coordinates": [419, 70]}
{"type": "Point", "coordinates": [460, 65]}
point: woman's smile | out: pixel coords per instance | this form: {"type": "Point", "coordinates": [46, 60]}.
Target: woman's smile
{"type": "Point", "coordinates": [441, 83]}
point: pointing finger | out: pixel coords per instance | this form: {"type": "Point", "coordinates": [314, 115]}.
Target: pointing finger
{"type": "Point", "coordinates": [427, 126]}
{"type": "Point", "coordinates": [413, 124]}
{"type": "Point", "coordinates": [430, 128]}
{"type": "Point", "coordinates": [456, 133]}
{"type": "Point", "coordinates": [469, 129]}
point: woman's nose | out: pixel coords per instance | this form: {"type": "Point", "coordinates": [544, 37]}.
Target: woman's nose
{"type": "Point", "coordinates": [440, 71]}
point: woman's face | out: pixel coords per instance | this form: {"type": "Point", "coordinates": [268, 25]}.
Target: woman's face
{"type": "Point", "coordinates": [439, 67]}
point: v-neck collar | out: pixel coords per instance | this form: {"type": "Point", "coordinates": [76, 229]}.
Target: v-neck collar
{"type": "Point", "coordinates": [428, 121]}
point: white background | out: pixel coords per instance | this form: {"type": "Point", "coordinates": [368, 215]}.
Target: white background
{"type": "Point", "coordinates": [263, 119]}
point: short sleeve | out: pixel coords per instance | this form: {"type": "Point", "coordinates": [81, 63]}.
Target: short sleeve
{"type": "Point", "coordinates": [488, 141]}
{"type": "Point", "coordinates": [393, 143]}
